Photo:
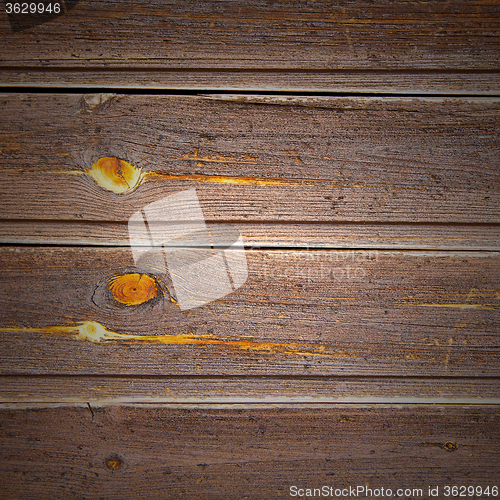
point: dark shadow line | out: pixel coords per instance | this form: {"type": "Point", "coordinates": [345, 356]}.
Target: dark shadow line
{"type": "Point", "coordinates": [254, 92]}
{"type": "Point", "coordinates": [260, 248]}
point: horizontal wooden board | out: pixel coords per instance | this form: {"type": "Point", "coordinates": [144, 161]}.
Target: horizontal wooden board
{"type": "Point", "coordinates": [294, 35]}
{"type": "Point", "coordinates": [16, 391]}
{"type": "Point", "coordinates": [294, 47]}
{"type": "Point", "coordinates": [155, 452]}
{"type": "Point", "coordinates": [272, 235]}
{"type": "Point", "coordinates": [300, 312]}
{"type": "Point", "coordinates": [416, 82]}
{"type": "Point", "coordinates": [182, 43]}
{"type": "Point", "coordinates": [254, 158]}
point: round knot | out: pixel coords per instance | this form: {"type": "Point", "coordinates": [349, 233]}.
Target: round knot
{"type": "Point", "coordinates": [450, 446]}
{"type": "Point", "coordinates": [133, 289]}
{"type": "Point", "coordinates": [113, 174]}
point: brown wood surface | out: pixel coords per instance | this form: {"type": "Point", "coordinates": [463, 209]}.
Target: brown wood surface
{"type": "Point", "coordinates": [300, 312]}
{"type": "Point", "coordinates": [363, 348]}
{"type": "Point", "coordinates": [157, 452]}
{"type": "Point", "coordinates": [183, 45]}
{"type": "Point", "coordinates": [255, 159]}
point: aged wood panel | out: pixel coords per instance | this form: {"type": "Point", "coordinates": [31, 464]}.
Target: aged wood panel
{"type": "Point", "coordinates": [254, 159]}
{"type": "Point", "coordinates": [16, 391]}
{"type": "Point", "coordinates": [158, 452]}
{"type": "Point", "coordinates": [294, 35]}
{"type": "Point", "coordinates": [390, 358]}
{"type": "Point", "coordinates": [166, 37]}
{"type": "Point", "coordinates": [300, 312]}
{"type": "Point", "coordinates": [272, 235]}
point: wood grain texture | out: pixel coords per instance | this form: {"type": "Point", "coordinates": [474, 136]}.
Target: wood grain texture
{"type": "Point", "coordinates": [202, 36]}
{"type": "Point", "coordinates": [255, 158]}
{"type": "Point", "coordinates": [155, 452]}
{"type": "Point", "coordinates": [310, 312]}
{"type": "Point", "coordinates": [26, 391]}
{"type": "Point", "coordinates": [363, 347]}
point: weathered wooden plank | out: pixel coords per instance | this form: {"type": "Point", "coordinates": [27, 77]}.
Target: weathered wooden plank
{"type": "Point", "coordinates": [418, 82]}
{"type": "Point", "coordinates": [252, 158]}
{"type": "Point", "coordinates": [155, 452]}
{"type": "Point", "coordinates": [272, 235]}
{"type": "Point", "coordinates": [27, 390]}
{"type": "Point", "coordinates": [307, 312]}
{"type": "Point", "coordinates": [206, 35]}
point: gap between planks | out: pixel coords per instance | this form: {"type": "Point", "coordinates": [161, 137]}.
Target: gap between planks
{"type": "Point", "coordinates": [411, 82]}
{"type": "Point", "coordinates": [282, 235]}
{"type": "Point", "coordinates": [103, 391]}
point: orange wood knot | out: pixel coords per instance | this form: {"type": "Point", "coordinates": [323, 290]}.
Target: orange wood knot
{"type": "Point", "coordinates": [113, 462]}
{"type": "Point", "coordinates": [450, 446]}
{"type": "Point", "coordinates": [133, 289]}
{"type": "Point", "coordinates": [113, 174]}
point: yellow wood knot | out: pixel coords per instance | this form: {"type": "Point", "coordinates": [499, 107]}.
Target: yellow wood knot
{"type": "Point", "coordinates": [133, 289]}
{"type": "Point", "coordinates": [113, 174]}
{"type": "Point", "coordinates": [450, 446]}
{"type": "Point", "coordinates": [114, 462]}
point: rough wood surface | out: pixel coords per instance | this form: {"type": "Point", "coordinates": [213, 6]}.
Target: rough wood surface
{"type": "Point", "coordinates": [364, 352]}
{"type": "Point", "coordinates": [293, 35]}
{"type": "Point", "coordinates": [25, 390]}
{"type": "Point", "coordinates": [309, 312]}
{"type": "Point", "coordinates": [319, 41]}
{"type": "Point", "coordinates": [155, 452]}
{"type": "Point", "coordinates": [254, 158]}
